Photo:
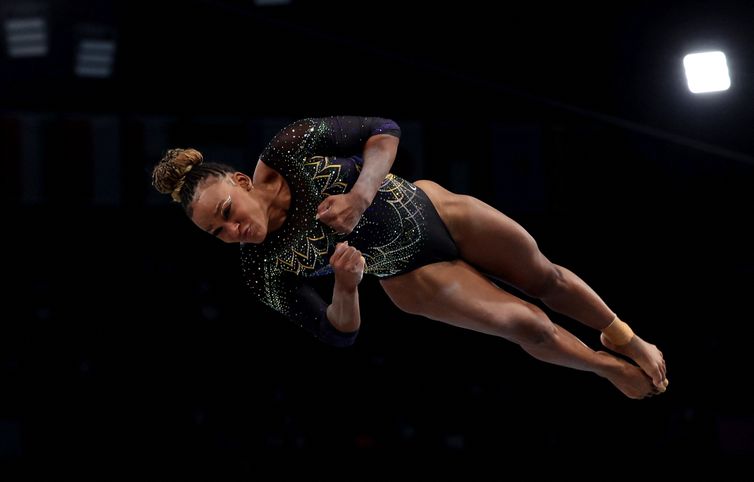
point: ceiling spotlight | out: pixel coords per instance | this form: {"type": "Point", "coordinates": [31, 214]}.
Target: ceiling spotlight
{"type": "Point", "coordinates": [26, 36]}
{"type": "Point", "coordinates": [706, 72]}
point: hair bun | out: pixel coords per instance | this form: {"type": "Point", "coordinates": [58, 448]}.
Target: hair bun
{"type": "Point", "coordinates": [169, 175]}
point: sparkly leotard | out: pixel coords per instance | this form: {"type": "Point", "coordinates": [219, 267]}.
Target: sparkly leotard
{"type": "Point", "coordinates": [399, 232]}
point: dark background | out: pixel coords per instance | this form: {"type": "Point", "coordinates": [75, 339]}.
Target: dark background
{"type": "Point", "coordinates": [128, 339]}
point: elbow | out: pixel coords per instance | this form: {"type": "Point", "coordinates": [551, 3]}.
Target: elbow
{"type": "Point", "coordinates": [382, 143]}
{"type": "Point", "coordinates": [390, 127]}
{"type": "Point", "coordinates": [395, 131]}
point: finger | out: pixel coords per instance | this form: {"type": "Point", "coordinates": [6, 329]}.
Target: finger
{"type": "Point", "coordinates": [323, 207]}
{"type": "Point", "coordinates": [359, 264]}
{"type": "Point", "coordinates": [356, 256]}
{"type": "Point", "coordinates": [327, 216]}
{"type": "Point", "coordinates": [334, 258]}
{"type": "Point", "coordinates": [350, 255]}
{"type": "Point", "coordinates": [338, 253]}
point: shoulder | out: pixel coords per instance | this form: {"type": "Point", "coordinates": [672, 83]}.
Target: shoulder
{"type": "Point", "coordinates": [301, 127]}
{"type": "Point", "coordinates": [293, 136]}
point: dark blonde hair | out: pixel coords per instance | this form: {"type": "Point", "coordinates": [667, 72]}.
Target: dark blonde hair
{"type": "Point", "coordinates": [180, 171]}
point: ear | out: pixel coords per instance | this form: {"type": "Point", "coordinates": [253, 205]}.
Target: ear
{"type": "Point", "coordinates": [242, 180]}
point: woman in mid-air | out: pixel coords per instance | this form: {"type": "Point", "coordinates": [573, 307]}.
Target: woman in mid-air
{"type": "Point", "coordinates": [322, 201]}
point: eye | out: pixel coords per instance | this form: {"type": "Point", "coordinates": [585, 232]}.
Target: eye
{"type": "Point", "coordinates": [226, 211]}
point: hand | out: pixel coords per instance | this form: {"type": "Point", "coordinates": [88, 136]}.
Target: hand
{"type": "Point", "coordinates": [348, 265]}
{"type": "Point", "coordinates": [342, 212]}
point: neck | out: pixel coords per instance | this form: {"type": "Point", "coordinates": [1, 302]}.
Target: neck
{"type": "Point", "coordinates": [279, 202]}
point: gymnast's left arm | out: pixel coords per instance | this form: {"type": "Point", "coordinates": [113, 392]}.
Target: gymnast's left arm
{"type": "Point", "coordinates": [342, 212]}
{"type": "Point", "coordinates": [379, 155]}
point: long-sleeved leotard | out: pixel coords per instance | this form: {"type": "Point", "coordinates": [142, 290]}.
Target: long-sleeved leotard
{"type": "Point", "coordinates": [400, 231]}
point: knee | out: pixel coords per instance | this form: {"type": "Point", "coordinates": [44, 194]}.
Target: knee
{"type": "Point", "coordinates": [527, 324]}
{"type": "Point", "coordinates": [549, 280]}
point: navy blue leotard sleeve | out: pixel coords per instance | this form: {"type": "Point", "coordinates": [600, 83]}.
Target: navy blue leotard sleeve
{"type": "Point", "coordinates": [300, 303]}
{"type": "Point", "coordinates": [340, 136]}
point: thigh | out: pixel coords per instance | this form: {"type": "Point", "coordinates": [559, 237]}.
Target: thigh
{"type": "Point", "coordinates": [456, 293]}
{"type": "Point", "coordinates": [490, 240]}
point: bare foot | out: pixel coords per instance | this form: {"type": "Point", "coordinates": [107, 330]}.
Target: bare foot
{"type": "Point", "coordinates": [628, 378]}
{"type": "Point", "coordinates": [646, 355]}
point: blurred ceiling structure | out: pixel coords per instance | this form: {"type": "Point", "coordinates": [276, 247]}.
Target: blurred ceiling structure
{"type": "Point", "coordinates": [621, 65]}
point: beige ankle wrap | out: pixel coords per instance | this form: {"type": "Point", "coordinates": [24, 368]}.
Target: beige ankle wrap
{"type": "Point", "coordinates": [618, 332]}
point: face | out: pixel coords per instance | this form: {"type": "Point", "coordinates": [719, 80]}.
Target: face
{"type": "Point", "coordinates": [228, 209]}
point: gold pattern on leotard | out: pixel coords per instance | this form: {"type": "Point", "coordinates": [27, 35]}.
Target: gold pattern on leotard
{"type": "Point", "coordinates": [389, 234]}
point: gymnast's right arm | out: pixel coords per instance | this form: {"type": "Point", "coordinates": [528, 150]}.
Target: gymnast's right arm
{"type": "Point", "coordinates": [348, 266]}
{"type": "Point", "coordinates": [302, 304]}
{"type": "Point", "coordinates": [336, 324]}
{"type": "Point", "coordinates": [343, 312]}
{"type": "Point", "coordinates": [330, 324]}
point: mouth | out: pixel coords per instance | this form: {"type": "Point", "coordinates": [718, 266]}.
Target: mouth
{"type": "Point", "coordinates": [247, 233]}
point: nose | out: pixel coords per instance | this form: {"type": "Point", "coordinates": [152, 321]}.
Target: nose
{"type": "Point", "coordinates": [232, 232]}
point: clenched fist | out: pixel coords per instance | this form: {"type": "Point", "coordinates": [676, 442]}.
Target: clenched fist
{"type": "Point", "coordinates": [342, 212]}
{"type": "Point", "coordinates": [348, 264]}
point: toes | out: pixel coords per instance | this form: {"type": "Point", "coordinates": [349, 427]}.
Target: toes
{"type": "Point", "coordinates": [657, 378]}
{"type": "Point", "coordinates": [663, 386]}
{"type": "Point", "coordinates": [663, 379]}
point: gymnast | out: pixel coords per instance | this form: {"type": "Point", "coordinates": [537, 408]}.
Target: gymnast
{"type": "Point", "coordinates": [322, 201]}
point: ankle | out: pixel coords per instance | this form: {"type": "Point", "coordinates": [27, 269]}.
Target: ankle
{"type": "Point", "coordinates": [618, 332]}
